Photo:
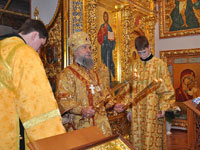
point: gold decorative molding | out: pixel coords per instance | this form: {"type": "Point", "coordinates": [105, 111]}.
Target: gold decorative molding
{"type": "Point", "coordinates": [169, 23]}
{"type": "Point", "coordinates": [126, 22]}
{"type": "Point", "coordinates": [145, 6]}
{"type": "Point", "coordinates": [92, 26]}
{"type": "Point", "coordinates": [150, 30]}
{"type": "Point", "coordinates": [131, 29]}
{"type": "Point", "coordinates": [65, 29]}
{"type": "Point", "coordinates": [54, 45]}
{"type": "Point", "coordinates": [181, 52]}
{"type": "Point", "coordinates": [117, 52]}
{"type": "Point", "coordinates": [125, 16]}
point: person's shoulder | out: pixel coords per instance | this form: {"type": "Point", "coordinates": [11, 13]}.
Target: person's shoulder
{"type": "Point", "coordinates": [102, 25]}
{"type": "Point", "coordinates": [19, 47]}
{"type": "Point", "coordinates": [10, 40]}
{"type": "Point", "coordinates": [66, 74]}
{"type": "Point", "coordinates": [67, 70]}
{"type": "Point", "coordinates": [27, 51]}
{"type": "Point", "coordinates": [159, 60]}
{"type": "Point", "coordinates": [160, 63]}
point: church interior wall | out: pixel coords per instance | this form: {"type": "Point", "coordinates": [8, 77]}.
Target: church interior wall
{"type": "Point", "coordinates": [183, 42]}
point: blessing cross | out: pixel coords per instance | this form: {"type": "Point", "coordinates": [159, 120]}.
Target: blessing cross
{"type": "Point", "coordinates": [92, 88]}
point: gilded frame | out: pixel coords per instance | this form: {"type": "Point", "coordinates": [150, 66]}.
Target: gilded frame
{"type": "Point", "coordinates": [109, 143]}
{"type": "Point", "coordinates": [115, 24]}
{"type": "Point", "coordinates": [178, 61]}
{"type": "Point", "coordinates": [172, 15]}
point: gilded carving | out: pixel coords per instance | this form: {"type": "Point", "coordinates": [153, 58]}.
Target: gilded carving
{"type": "Point", "coordinates": [51, 54]}
{"type": "Point", "coordinates": [131, 12]}
{"type": "Point", "coordinates": [126, 14]}
{"type": "Point", "coordinates": [179, 18]}
{"type": "Point", "coordinates": [92, 26]}
{"type": "Point", "coordinates": [116, 55]}
{"type": "Point", "coordinates": [120, 124]}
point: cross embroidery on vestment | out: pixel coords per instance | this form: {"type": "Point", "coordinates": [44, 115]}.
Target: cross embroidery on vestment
{"type": "Point", "coordinates": [92, 88]}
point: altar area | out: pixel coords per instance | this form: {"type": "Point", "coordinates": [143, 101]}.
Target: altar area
{"type": "Point", "coordinates": [128, 19]}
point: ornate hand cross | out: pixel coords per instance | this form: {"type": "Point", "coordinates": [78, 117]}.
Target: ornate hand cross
{"type": "Point", "coordinates": [92, 88]}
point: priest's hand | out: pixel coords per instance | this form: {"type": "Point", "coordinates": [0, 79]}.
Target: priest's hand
{"type": "Point", "coordinates": [119, 107]}
{"type": "Point", "coordinates": [129, 116]}
{"type": "Point", "coordinates": [161, 114]}
{"type": "Point", "coordinates": [88, 112]}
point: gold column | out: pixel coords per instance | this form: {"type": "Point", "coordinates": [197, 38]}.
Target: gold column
{"type": "Point", "coordinates": [152, 22]}
{"type": "Point", "coordinates": [117, 52]}
{"type": "Point", "coordinates": [150, 28]}
{"type": "Point", "coordinates": [92, 26]}
{"type": "Point", "coordinates": [126, 13]}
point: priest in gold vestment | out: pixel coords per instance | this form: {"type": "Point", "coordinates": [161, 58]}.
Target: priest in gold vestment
{"type": "Point", "coordinates": [147, 115]}
{"type": "Point", "coordinates": [25, 91]}
{"type": "Point", "coordinates": [81, 90]}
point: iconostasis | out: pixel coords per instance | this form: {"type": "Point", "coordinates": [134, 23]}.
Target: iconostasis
{"type": "Point", "coordinates": [126, 20]}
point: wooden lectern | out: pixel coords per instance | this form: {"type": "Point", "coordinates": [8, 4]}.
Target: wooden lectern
{"type": "Point", "coordinates": [69, 140]}
{"type": "Point", "coordinates": [193, 129]}
{"type": "Point", "coordinates": [83, 139]}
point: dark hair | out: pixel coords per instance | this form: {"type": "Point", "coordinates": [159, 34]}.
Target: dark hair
{"type": "Point", "coordinates": [105, 12]}
{"type": "Point", "coordinates": [31, 25]}
{"type": "Point", "coordinates": [141, 43]}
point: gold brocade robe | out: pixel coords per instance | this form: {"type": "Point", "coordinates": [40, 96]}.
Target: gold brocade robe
{"type": "Point", "coordinates": [25, 93]}
{"type": "Point", "coordinates": [74, 92]}
{"type": "Point", "coordinates": [147, 130]}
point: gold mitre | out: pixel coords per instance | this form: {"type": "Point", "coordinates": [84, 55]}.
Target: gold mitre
{"type": "Point", "coordinates": [77, 39]}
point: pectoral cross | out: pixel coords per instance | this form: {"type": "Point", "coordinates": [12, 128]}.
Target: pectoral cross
{"type": "Point", "coordinates": [92, 88]}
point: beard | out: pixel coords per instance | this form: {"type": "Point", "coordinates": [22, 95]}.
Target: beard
{"type": "Point", "coordinates": [85, 62]}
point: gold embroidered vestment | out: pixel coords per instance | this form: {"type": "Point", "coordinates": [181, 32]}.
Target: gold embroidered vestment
{"type": "Point", "coordinates": [76, 83]}
{"type": "Point", "coordinates": [25, 92]}
{"type": "Point", "coordinates": [147, 130]}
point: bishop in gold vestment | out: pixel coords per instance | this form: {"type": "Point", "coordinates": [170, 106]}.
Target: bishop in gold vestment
{"type": "Point", "coordinates": [25, 92]}
{"type": "Point", "coordinates": [80, 88]}
{"type": "Point", "coordinates": [147, 122]}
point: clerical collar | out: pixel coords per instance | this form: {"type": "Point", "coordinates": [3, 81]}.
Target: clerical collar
{"type": "Point", "coordinates": [147, 59]}
{"type": "Point", "coordinates": [11, 35]}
